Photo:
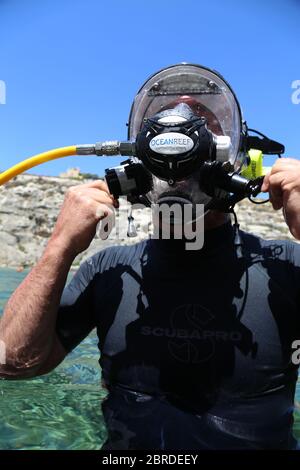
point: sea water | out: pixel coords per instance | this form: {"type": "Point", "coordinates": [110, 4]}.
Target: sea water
{"type": "Point", "coordinates": [61, 410]}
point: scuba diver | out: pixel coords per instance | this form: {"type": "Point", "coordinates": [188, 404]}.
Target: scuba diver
{"type": "Point", "coordinates": [195, 344]}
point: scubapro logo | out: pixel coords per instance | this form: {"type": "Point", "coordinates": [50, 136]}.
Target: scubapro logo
{"type": "Point", "coordinates": [171, 143]}
{"type": "Point", "coordinates": [192, 336]}
{"type": "Point", "coordinates": [191, 350]}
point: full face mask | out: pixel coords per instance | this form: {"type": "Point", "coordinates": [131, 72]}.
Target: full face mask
{"type": "Point", "coordinates": [187, 142]}
{"type": "Point", "coordinates": [181, 117]}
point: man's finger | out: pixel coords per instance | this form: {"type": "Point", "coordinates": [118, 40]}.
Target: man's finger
{"type": "Point", "coordinates": [102, 210]}
{"type": "Point", "coordinates": [284, 168]}
{"type": "Point", "coordinates": [99, 184]}
{"type": "Point", "coordinates": [99, 195]}
{"type": "Point", "coordinates": [265, 185]}
{"type": "Point", "coordinates": [283, 160]}
{"type": "Point", "coordinates": [276, 197]}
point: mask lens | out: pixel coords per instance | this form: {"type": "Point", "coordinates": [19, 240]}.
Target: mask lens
{"type": "Point", "coordinates": [206, 93]}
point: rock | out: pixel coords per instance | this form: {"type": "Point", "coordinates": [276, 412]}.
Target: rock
{"type": "Point", "coordinates": [29, 206]}
{"type": "Point", "coordinates": [7, 239]}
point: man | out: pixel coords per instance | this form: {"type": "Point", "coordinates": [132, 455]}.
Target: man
{"type": "Point", "coordinates": [195, 345]}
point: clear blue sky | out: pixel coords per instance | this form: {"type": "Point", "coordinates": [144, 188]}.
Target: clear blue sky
{"type": "Point", "coordinates": [72, 67]}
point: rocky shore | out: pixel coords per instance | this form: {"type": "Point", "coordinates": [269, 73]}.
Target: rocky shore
{"type": "Point", "coordinates": [29, 206]}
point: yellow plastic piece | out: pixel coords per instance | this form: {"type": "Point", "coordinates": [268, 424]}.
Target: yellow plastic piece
{"type": "Point", "coordinates": [36, 160]}
{"type": "Point", "coordinates": [255, 167]}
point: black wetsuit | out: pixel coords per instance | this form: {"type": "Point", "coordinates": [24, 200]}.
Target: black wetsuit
{"type": "Point", "coordinates": [195, 346]}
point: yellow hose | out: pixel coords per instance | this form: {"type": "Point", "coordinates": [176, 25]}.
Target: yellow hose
{"type": "Point", "coordinates": [36, 160]}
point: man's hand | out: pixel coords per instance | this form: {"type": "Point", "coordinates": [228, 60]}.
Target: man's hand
{"type": "Point", "coordinates": [84, 206]}
{"type": "Point", "coordinates": [283, 185]}
{"type": "Point", "coordinates": [27, 327]}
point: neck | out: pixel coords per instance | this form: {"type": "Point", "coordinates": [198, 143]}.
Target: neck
{"type": "Point", "coordinates": [217, 231]}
